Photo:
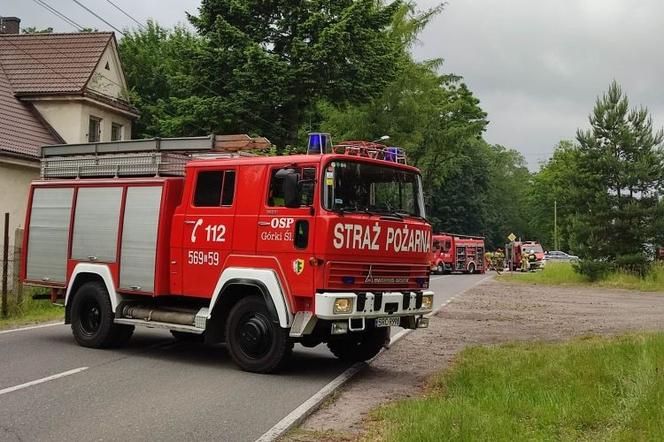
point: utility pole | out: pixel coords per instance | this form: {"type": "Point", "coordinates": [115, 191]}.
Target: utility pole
{"type": "Point", "coordinates": [555, 224]}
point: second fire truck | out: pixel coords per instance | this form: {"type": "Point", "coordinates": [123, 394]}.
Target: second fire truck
{"type": "Point", "coordinates": [457, 253]}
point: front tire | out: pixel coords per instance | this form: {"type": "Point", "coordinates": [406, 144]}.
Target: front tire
{"type": "Point", "coordinates": [92, 318]}
{"type": "Point", "coordinates": [441, 268]}
{"type": "Point", "coordinates": [255, 342]}
{"type": "Point", "coordinates": [361, 346]}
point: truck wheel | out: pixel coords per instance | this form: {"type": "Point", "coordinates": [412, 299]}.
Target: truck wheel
{"type": "Point", "coordinates": [471, 268]}
{"type": "Point", "coordinates": [188, 337]}
{"type": "Point", "coordinates": [92, 318]}
{"type": "Point", "coordinates": [441, 268]}
{"type": "Point", "coordinates": [256, 343]}
{"type": "Point", "coordinates": [362, 346]}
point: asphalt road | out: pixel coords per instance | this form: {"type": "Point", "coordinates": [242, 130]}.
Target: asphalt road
{"type": "Point", "coordinates": [155, 388]}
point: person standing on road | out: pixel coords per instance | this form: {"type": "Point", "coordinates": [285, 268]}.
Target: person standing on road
{"type": "Point", "coordinates": [499, 259]}
{"type": "Point", "coordinates": [525, 262]}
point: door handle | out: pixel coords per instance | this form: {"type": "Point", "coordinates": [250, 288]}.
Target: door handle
{"type": "Point", "coordinates": [263, 223]}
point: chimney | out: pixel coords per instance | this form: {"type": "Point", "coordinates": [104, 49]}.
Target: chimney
{"type": "Point", "coordinates": [10, 25]}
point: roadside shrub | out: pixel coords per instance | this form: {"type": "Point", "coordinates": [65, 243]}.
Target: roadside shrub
{"type": "Point", "coordinates": [635, 263]}
{"type": "Point", "coordinates": [593, 269]}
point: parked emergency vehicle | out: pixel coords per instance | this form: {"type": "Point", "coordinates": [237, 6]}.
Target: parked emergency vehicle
{"type": "Point", "coordinates": [457, 253]}
{"type": "Point", "coordinates": [531, 250]}
{"type": "Point", "coordinates": [258, 252]}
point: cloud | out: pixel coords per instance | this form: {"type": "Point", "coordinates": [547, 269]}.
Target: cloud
{"type": "Point", "coordinates": [537, 66]}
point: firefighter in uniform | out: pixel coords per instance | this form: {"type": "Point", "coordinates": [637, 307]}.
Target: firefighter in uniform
{"type": "Point", "coordinates": [525, 262]}
{"type": "Point", "coordinates": [499, 259]}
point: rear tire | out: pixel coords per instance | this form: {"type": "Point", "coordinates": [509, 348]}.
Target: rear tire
{"type": "Point", "coordinates": [92, 318]}
{"type": "Point", "coordinates": [255, 342]}
{"type": "Point", "coordinates": [471, 268]}
{"type": "Point", "coordinates": [362, 346]}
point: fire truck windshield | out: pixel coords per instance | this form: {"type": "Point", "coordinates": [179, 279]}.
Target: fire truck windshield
{"type": "Point", "coordinates": [353, 186]}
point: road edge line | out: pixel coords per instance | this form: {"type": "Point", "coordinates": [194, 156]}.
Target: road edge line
{"type": "Point", "coordinates": [30, 327]}
{"type": "Point", "coordinates": [303, 411]}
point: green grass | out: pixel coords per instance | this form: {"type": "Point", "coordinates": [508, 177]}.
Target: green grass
{"type": "Point", "coordinates": [30, 311]}
{"type": "Point", "coordinates": [563, 273]}
{"type": "Point", "coordinates": [587, 389]}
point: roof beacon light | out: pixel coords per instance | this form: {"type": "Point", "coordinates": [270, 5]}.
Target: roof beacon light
{"type": "Point", "coordinates": [319, 143]}
{"type": "Point", "coordinates": [394, 153]}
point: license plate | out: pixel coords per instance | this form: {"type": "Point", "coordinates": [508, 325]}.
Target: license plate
{"type": "Point", "coordinates": [388, 321]}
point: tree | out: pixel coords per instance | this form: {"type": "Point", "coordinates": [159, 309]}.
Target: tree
{"type": "Point", "coordinates": [552, 186]}
{"type": "Point", "coordinates": [35, 30]}
{"type": "Point", "coordinates": [617, 190]}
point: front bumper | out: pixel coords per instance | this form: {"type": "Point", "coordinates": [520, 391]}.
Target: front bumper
{"type": "Point", "coordinates": [372, 305]}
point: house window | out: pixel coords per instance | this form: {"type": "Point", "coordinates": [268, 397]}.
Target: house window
{"type": "Point", "coordinates": [116, 132]}
{"type": "Point", "coordinates": [94, 130]}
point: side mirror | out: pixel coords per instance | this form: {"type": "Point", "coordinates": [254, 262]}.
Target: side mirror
{"type": "Point", "coordinates": [290, 187]}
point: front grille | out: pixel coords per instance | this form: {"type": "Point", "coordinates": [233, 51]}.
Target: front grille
{"type": "Point", "coordinates": [376, 277]}
{"type": "Point", "coordinates": [378, 301]}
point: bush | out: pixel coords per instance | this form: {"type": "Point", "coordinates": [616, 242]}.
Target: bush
{"type": "Point", "coordinates": [635, 263]}
{"type": "Point", "coordinates": [593, 269]}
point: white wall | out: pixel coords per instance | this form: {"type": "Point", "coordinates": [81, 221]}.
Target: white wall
{"type": "Point", "coordinates": [108, 81]}
{"type": "Point", "coordinates": [14, 186]}
{"type": "Point", "coordinates": [70, 119]}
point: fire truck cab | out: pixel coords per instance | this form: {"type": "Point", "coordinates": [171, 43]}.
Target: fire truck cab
{"type": "Point", "coordinates": [254, 251]}
{"type": "Point", "coordinates": [516, 251]}
{"type": "Point", "coordinates": [457, 253]}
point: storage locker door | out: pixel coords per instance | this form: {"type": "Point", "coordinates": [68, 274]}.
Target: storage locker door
{"type": "Point", "coordinates": [96, 224]}
{"type": "Point", "coordinates": [49, 234]}
{"type": "Point", "coordinates": [139, 238]}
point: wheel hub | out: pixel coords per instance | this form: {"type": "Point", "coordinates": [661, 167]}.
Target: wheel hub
{"type": "Point", "coordinates": [255, 335]}
{"type": "Point", "coordinates": [90, 317]}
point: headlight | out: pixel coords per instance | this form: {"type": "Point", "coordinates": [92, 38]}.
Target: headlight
{"type": "Point", "coordinates": [427, 302]}
{"type": "Point", "coordinates": [343, 305]}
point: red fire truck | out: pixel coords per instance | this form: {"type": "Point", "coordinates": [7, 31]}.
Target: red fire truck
{"type": "Point", "coordinates": [254, 251]}
{"type": "Point", "coordinates": [457, 253]}
{"type": "Point", "coordinates": [517, 250]}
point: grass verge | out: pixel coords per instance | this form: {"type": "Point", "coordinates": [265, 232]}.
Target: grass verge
{"type": "Point", "coordinates": [30, 311]}
{"type": "Point", "coordinates": [586, 389]}
{"type": "Point", "coordinates": [563, 273]}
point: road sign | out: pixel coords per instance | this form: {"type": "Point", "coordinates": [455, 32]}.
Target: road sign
{"type": "Point", "coordinates": [511, 237]}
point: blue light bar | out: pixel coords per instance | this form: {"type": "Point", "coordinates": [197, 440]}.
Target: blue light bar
{"type": "Point", "coordinates": [319, 143]}
{"type": "Point", "coordinates": [392, 153]}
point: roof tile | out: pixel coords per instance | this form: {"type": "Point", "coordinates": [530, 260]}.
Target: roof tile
{"type": "Point", "coordinates": [39, 63]}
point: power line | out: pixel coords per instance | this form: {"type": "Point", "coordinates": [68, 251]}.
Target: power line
{"type": "Point", "coordinates": [58, 14]}
{"type": "Point", "coordinates": [140, 25]}
{"type": "Point", "coordinates": [97, 15]}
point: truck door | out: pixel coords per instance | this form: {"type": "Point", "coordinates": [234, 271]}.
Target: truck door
{"type": "Point", "coordinates": [208, 230]}
{"type": "Point", "coordinates": [287, 233]}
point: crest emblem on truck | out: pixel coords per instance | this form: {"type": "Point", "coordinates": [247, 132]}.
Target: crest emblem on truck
{"type": "Point", "coordinates": [298, 266]}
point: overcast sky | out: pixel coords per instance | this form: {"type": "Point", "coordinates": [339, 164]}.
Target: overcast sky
{"type": "Point", "coordinates": [536, 66]}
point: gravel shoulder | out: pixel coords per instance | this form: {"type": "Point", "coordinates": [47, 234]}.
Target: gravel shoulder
{"type": "Point", "coordinates": [492, 313]}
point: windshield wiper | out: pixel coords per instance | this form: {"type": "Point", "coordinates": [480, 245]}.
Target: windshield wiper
{"type": "Point", "coordinates": [410, 214]}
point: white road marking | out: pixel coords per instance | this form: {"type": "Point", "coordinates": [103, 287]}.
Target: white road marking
{"type": "Point", "coordinates": [42, 380]}
{"type": "Point", "coordinates": [32, 327]}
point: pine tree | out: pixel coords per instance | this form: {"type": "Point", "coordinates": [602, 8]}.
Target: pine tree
{"type": "Point", "coordinates": [619, 183]}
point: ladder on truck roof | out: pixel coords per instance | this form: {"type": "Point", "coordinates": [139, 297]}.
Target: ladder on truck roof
{"type": "Point", "coordinates": [147, 157]}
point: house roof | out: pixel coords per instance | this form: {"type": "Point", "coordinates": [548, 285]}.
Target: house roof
{"type": "Point", "coordinates": [51, 63]}
{"type": "Point", "coordinates": [22, 132]}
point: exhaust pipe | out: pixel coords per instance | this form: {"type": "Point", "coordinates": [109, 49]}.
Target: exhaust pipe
{"type": "Point", "coordinates": [151, 314]}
